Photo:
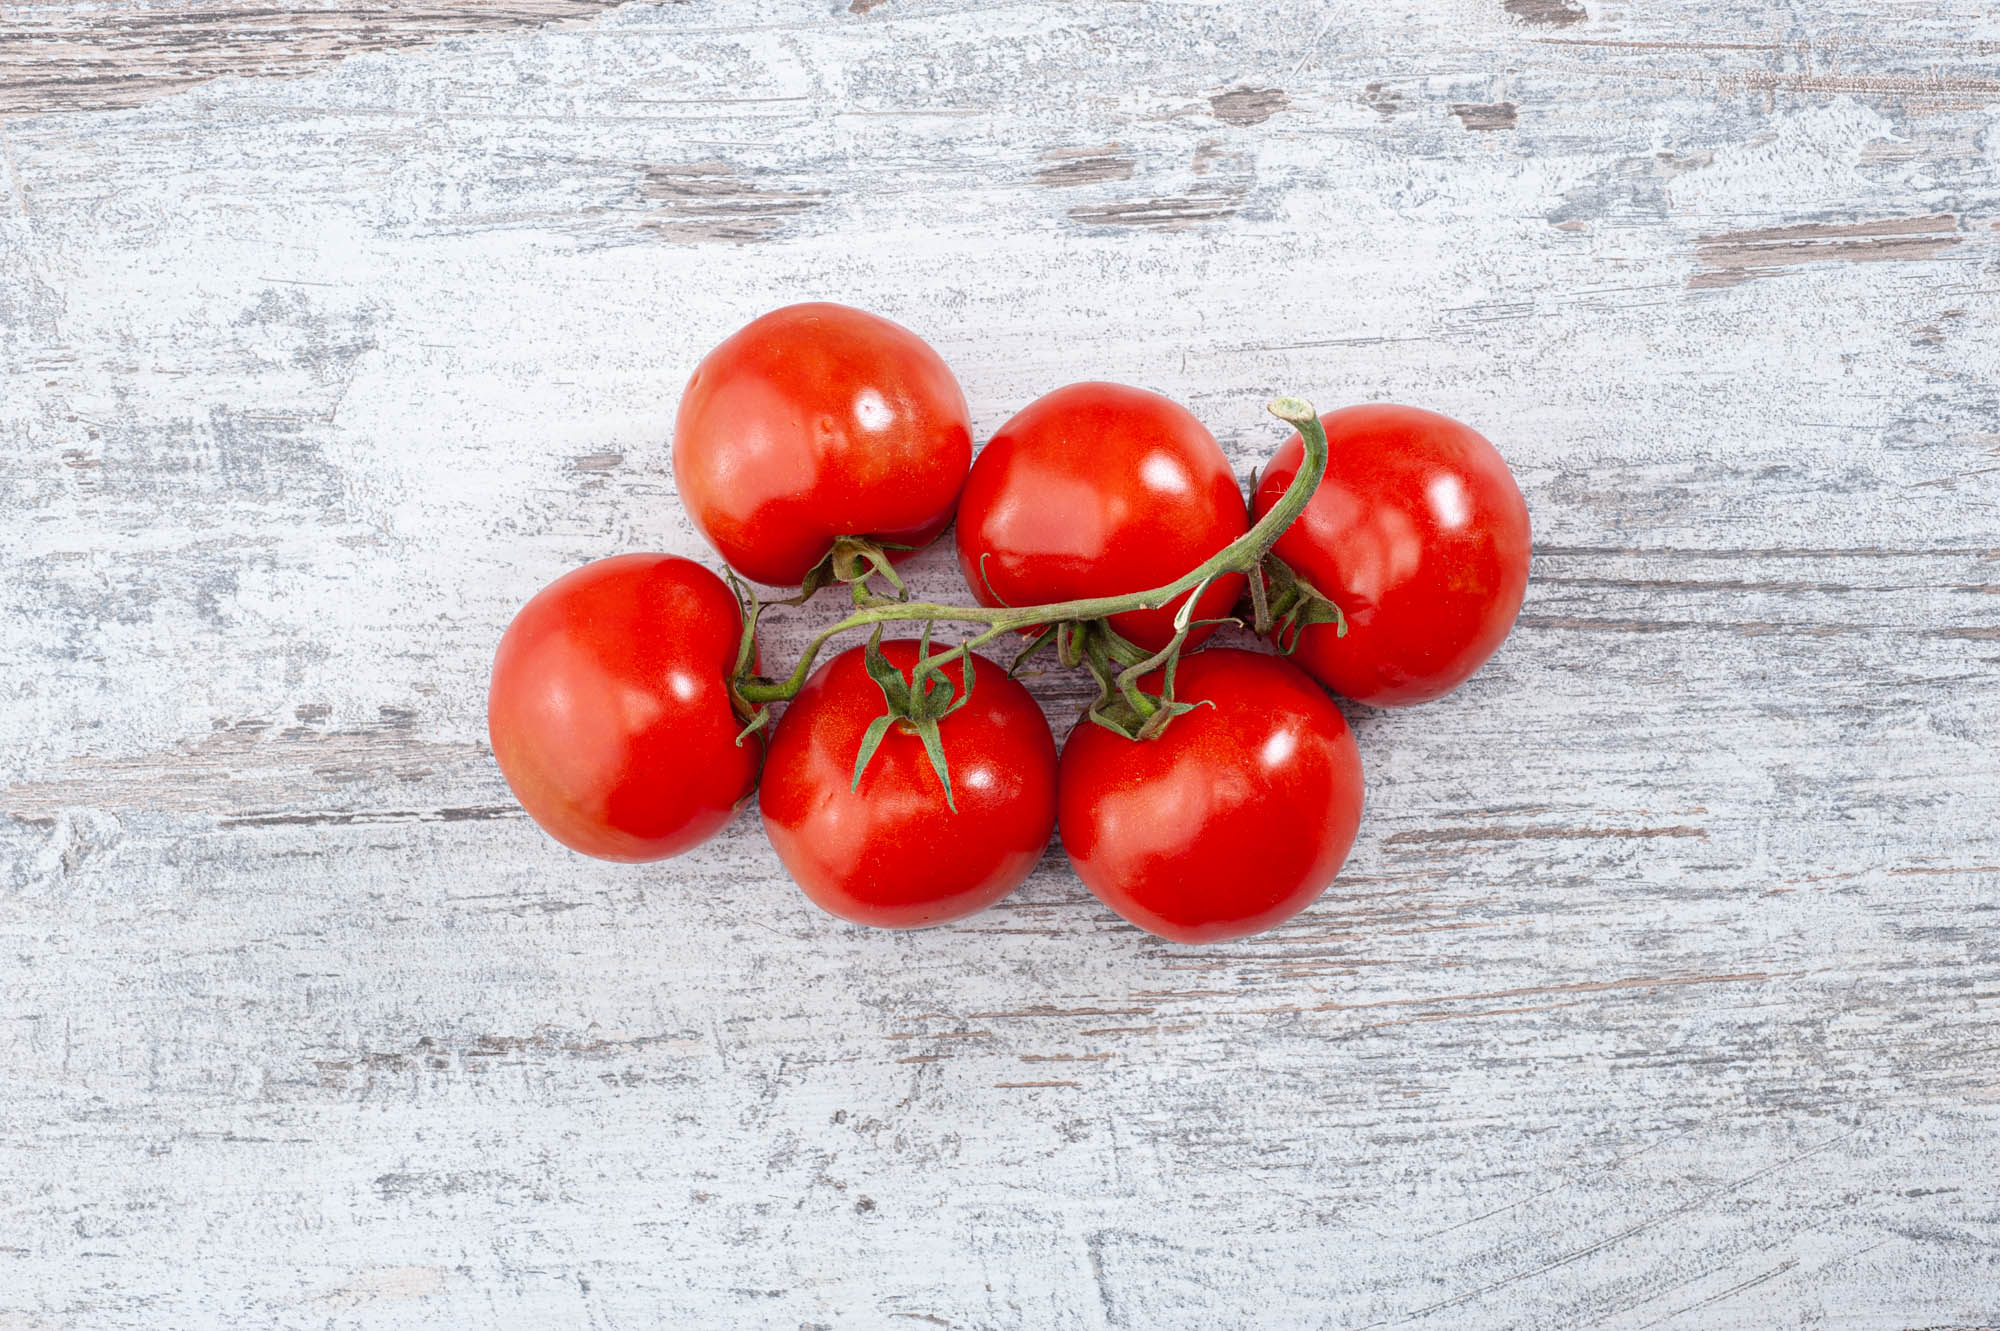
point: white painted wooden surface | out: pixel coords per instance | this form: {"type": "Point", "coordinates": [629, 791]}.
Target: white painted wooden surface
{"type": "Point", "coordinates": [1663, 987]}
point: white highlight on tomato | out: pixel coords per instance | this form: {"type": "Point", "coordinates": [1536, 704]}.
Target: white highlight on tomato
{"type": "Point", "coordinates": [1163, 474]}
{"type": "Point", "coordinates": [871, 411]}
{"type": "Point", "coordinates": [1449, 502]}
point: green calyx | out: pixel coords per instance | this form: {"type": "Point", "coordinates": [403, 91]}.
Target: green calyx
{"type": "Point", "coordinates": [854, 560]}
{"type": "Point", "coordinates": [1284, 605]}
{"type": "Point", "coordinates": [1117, 666]}
{"type": "Point", "coordinates": [917, 702]}
{"type": "Point", "coordinates": [754, 716]}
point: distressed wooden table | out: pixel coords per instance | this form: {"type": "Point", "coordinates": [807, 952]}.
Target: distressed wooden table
{"type": "Point", "coordinates": [1661, 990]}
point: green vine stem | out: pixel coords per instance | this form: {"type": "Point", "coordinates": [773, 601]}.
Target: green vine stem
{"type": "Point", "coordinates": [1243, 555]}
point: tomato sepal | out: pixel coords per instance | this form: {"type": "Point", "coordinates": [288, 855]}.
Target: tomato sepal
{"type": "Point", "coordinates": [756, 724]}
{"type": "Point", "coordinates": [749, 606]}
{"type": "Point", "coordinates": [1121, 705]}
{"type": "Point", "coordinates": [917, 703]}
{"type": "Point", "coordinates": [1284, 605]}
{"type": "Point", "coordinates": [854, 560]}
{"type": "Point", "coordinates": [1034, 648]}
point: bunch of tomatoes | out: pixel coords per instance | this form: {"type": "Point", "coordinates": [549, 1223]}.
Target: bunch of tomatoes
{"type": "Point", "coordinates": [1207, 793]}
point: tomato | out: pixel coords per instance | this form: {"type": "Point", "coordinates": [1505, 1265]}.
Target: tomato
{"type": "Point", "coordinates": [1230, 821]}
{"type": "Point", "coordinates": [1419, 533]}
{"type": "Point", "coordinates": [609, 708]}
{"type": "Point", "coordinates": [816, 422]}
{"type": "Point", "coordinates": [891, 853]}
{"type": "Point", "coordinates": [1096, 490]}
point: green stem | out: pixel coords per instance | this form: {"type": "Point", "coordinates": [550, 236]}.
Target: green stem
{"type": "Point", "coordinates": [1240, 556]}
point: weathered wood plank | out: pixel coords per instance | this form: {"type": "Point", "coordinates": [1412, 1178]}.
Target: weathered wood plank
{"type": "Point", "coordinates": [1660, 990]}
{"type": "Point", "coordinates": [62, 56]}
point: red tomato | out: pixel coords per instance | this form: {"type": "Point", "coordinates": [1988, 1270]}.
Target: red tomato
{"type": "Point", "coordinates": [891, 854]}
{"type": "Point", "coordinates": [609, 708]}
{"type": "Point", "coordinates": [1096, 490]}
{"type": "Point", "coordinates": [815, 422]}
{"type": "Point", "coordinates": [1419, 534]}
{"type": "Point", "coordinates": [1229, 822]}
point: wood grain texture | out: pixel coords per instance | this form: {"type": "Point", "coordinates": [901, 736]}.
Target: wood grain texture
{"type": "Point", "coordinates": [56, 55]}
{"type": "Point", "coordinates": [1662, 988]}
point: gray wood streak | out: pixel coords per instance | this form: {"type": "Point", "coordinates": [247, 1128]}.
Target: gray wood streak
{"type": "Point", "coordinates": [1660, 990]}
{"type": "Point", "coordinates": [60, 56]}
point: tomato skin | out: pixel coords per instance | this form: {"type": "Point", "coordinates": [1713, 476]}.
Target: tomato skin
{"type": "Point", "coordinates": [1097, 490]}
{"type": "Point", "coordinates": [1229, 822]}
{"type": "Point", "coordinates": [1419, 533]}
{"type": "Point", "coordinates": [813, 422]}
{"type": "Point", "coordinates": [891, 854]}
{"type": "Point", "coordinates": [609, 708]}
